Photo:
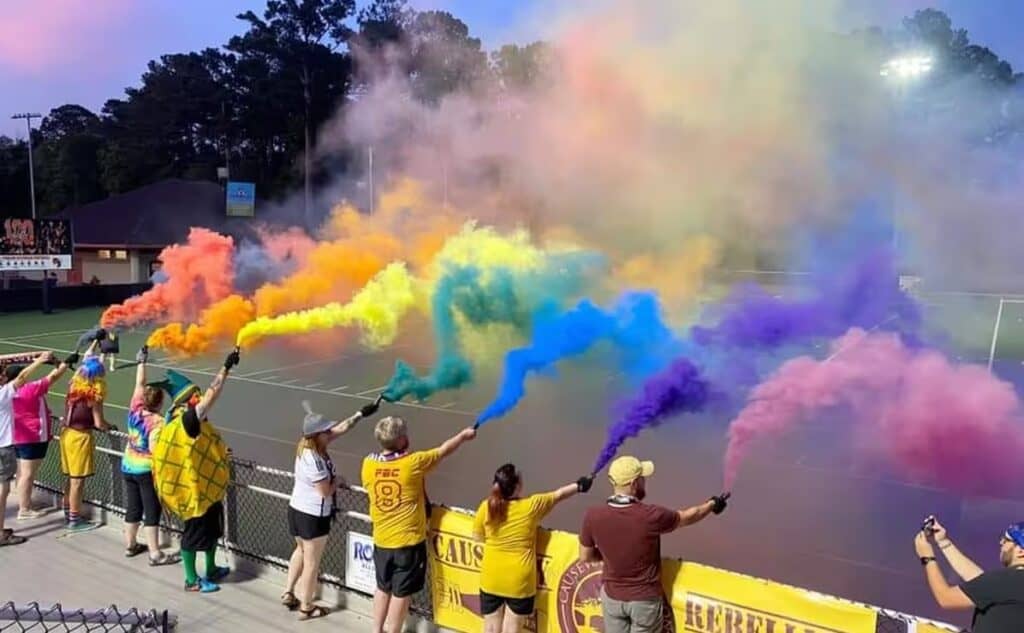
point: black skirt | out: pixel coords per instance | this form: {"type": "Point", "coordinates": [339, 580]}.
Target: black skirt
{"type": "Point", "coordinates": [202, 533]}
{"type": "Point", "coordinates": [307, 526]}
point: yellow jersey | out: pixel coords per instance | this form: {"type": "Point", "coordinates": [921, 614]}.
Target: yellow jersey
{"type": "Point", "coordinates": [509, 567]}
{"type": "Point", "coordinates": [394, 483]}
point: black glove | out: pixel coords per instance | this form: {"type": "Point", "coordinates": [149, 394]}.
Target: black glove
{"type": "Point", "coordinates": [100, 334]}
{"type": "Point", "coordinates": [72, 359]}
{"type": "Point", "coordinates": [142, 355]}
{"type": "Point", "coordinates": [369, 409]}
{"type": "Point", "coordinates": [583, 484]}
{"type": "Point", "coordinates": [720, 502]}
{"type": "Point", "coordinates": [232, 359]}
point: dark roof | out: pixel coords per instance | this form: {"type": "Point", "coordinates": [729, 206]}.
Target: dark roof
{"type": "Point", "coordinates": [156, 215]}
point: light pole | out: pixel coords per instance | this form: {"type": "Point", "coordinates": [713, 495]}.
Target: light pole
{"type": "Point", "coordinates": [28, 116]}
{"type": "Point", "coordinates": [901, 71]}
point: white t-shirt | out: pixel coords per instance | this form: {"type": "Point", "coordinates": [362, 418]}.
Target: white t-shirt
{"type": "Point", "coordinates": [311, 468]}
{"type": "Point", "coordinates": [7, 415]}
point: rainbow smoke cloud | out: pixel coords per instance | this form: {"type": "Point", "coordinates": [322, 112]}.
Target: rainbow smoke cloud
{"type": "Point", "coordinates": [633, 325]}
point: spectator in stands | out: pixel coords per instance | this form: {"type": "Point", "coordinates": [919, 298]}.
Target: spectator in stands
{"type": "Point", "coordinates": [8, 454]}
{"type": "Point", "coordinates": [83, 413]}
{"type": "Point", "coordinates": [32, 431]}
{"type": "Point", "coordinates": [996, 596]}
{"type": "Point", "coordinates": [191, 471]}
{"type": "Point", "coordinates": [313, 504]}
{"type": "Point", "coordinates": [141, 501]}
{"type": "Point", "coordinates": [507, 524]}
{"type": "Point", "coordinates": [625, 534]}
{"type": "Point", "coordinates": [394, 481]}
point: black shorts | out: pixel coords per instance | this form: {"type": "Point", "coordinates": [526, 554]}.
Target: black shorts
{"type": "Point", "coordinates": [202, 533]}
{"type": "Point", "coordinates": [401, 571]}
{"type": "Point", "coordinates": [307, 526]}
{"type": "Point", "coordinates": [35, 450]}
{"type": "Point", "coordinates": [489, 603]}
{"type": "Point", "coordinates": [140, 500]}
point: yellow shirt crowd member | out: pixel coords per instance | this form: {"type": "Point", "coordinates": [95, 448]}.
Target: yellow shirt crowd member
{"type": "Point", "coordinates": [509, 567]}
{"type": "Point", "coordinates": [394, 482]}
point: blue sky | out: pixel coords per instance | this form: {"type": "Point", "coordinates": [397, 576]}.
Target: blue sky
{"type": "Point", "coordinates": [86, 51]}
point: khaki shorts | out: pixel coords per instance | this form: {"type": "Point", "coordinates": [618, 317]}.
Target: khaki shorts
{"type": "Point", "coordinates": [638, 616]}
{"type": "Point", "coordinates": [76, 453]}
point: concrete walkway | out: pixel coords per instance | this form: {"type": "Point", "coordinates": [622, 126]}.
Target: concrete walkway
{"type": "Point", "coordinates": [89, 571]}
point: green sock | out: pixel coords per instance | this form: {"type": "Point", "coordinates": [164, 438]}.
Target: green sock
{"type": "Point", "coordinates": [188, 561]}
{"type": "Point", "coordinates": [211, 561]}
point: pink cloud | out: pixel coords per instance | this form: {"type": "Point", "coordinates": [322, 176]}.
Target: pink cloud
{"type": "Point", "coordinates": [39, 34]}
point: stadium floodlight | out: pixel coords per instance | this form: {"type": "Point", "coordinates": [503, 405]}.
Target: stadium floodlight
{"type": "Point", "coordinates": [910, 67]}
{"type": "Point", "coordinates": [28, 116]}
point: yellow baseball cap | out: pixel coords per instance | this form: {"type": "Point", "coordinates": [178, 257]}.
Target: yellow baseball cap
{"type": "Point", "coordinates": [624, 470]}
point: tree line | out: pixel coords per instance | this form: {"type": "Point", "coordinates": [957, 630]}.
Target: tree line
{"type": "Point", "coordinates": [255, 103]}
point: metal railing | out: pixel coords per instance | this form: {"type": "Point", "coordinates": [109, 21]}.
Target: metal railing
{"type": "Point", "coordinates": [258, 496]}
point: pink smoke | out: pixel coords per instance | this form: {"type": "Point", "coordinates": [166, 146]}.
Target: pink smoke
{"type": "Point", "coordinates": [199, 273]}
{"type": "Point", "coordinates": [290, 244]}
{"type": "Point", "coordinates": [934, 422]}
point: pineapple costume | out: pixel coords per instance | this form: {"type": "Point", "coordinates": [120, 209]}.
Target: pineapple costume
{"type": "Point", "coordinates": [191, 474]}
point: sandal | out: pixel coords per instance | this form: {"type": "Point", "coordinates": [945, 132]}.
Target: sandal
{"type": "Point", "coordinates": [289, 600]}
{"type": "Point", "coordinates": [11, 539]}
{"type": "Point", "coordinates": [316, 611]}
{"type": "Point", "coordinates": [135, 550]}
{"type": "Point", "coordinates": [164, 559]}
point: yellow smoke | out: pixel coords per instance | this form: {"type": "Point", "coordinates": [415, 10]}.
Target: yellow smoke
{"type": "Point", "coordinates": [376, 309]}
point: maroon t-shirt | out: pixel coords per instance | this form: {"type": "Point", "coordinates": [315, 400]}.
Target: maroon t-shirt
{"type": "Point", "coordinates": [629, 539]}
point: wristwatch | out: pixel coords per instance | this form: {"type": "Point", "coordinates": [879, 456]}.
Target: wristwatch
{"type": "Point", "coordinates": [927, 559]}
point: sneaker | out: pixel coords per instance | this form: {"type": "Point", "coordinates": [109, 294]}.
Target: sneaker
{"type": "Point", "coordinates": [81, 525]}
{"type": "Point", "coordinates": [29, 515]}
{"type": "Point", "coordinates": [202, 586]}
{"type": "Point", "coordinates": [218, 573]}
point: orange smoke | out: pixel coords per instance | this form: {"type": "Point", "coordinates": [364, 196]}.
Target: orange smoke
{"type": "Point", "coordinates": [199, 274]}
{"type": "Point", "coordinates": [218, 323]}
{"type": "Point", "coordinates": [407, 225]}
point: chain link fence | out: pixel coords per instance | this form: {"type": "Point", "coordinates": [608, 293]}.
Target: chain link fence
{"type": "Point", "coordinates": [35, 617]}
{"type": "Point", "coordinates": [256, 509]}
{"type": "Point", "coordinates": [256, 526]}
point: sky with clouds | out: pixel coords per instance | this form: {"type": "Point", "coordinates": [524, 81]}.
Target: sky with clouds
{"type": "Point", "coordinates": [86, 51]}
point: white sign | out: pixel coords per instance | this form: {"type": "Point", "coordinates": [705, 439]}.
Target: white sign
{"type": "Point", "coordinates": [360, 573]}
{"type": "Point", "coordinates": [35, 262]}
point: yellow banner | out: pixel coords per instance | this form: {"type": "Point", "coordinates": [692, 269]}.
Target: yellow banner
{"type": "Point", "coordinates": [703, 599]}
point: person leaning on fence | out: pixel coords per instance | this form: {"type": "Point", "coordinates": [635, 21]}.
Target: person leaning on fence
{"type": "Point", "coordinates": [394, 481]}
{"type": "Point", "coordinates": [191, 471]}
{"type": "Point", "coordinates": [625, 534]}
{"type": "Point", "coordinates": [32, 430]}
{"type": "Point", "coordinates": [507, 524]}
{"type": "Point", "coordinates": [83, 413]}
{"type": "Point", "coordinates": [141, 501]}
{"type": "Point", "coordinates": [996, 596]}
{"type": "Point", "coordinates": [312, 506]}
{"type": "Point", "coordinates": [8, 455]}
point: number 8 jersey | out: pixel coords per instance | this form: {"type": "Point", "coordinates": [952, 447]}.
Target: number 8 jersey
{"type": "Point", "coordinates": [394, 482]}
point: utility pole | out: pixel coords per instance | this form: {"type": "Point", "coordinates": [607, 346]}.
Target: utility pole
{"type": "Point", "coordinates": [28, 116]}
{"type": "Point", "coordinates": [370, 160]}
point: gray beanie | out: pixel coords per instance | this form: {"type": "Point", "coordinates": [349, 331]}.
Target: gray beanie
{"type": "Point", "coordinates": [314, 423]}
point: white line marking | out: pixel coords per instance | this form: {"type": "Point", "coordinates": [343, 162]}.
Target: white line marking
{"type": "Point", "coordinates": [374, 390]}
{"type": "Point", "coordinates": [290, 382]}
{"type": "Point", "coordinates": [28, 337]}
{"type": "Point", "coordinates": [273, 377]}
{"type": "Point", "coordinates": [295, 366]}
{"type": "Point", "coordinates": [449, 405]}
{"type": "Point", "coordinates": [265, 383]}
{"type": "Point", "coordinates": [315, 385]}
{"type": "Point", "coordinates": [341, 388]}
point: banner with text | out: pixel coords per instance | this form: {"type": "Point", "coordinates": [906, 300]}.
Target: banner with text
{"type": "Point", "coordinates": [702, 599]}
{"type": "Point", "coordinates": [29, 245]}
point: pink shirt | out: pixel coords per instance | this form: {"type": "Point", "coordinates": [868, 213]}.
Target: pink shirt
{"type": "Point", "coordinates": [30, 411]}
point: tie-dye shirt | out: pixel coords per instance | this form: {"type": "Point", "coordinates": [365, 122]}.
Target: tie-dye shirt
{"type": "Point", "coordinates": [143, 426]}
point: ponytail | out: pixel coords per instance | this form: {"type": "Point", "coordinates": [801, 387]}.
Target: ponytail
{"type": "Point", "coordinates": [506, 480]}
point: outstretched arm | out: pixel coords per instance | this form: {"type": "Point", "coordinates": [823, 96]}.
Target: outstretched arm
{"type": "Point", "coordinates": [140, 370]}
{"type": "Point", "coordinates": [963, 566]}
{"type": "Point", "coordinates": [344, 426]}
{"type": "Point", "coordinates": [696, 514]}
{"type": "Point", "coordinates": [582, 484]}
{"type": "Point", "coordinates": [451, 445]}
{"type": "Point", "coordinates": [24, 374]}
{"type": "Point", "coordinates": [213, 392]}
